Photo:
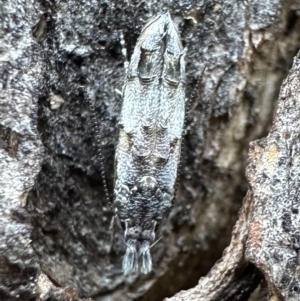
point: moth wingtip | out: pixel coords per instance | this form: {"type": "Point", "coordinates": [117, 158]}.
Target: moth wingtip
{"type": "Point", "coordinates": [167, 16]}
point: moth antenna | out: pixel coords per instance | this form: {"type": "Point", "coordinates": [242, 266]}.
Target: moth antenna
{"type": "Point", "coordinates": [145, 258]}
{"type": "Point", "coordinates": [130, 259]}
{"type": "Point", "coordinates": [127, 245]}
{"type": "Point", "coordinates": [155, 242]}
{"type": "Point", "coordinates": [99, 151]}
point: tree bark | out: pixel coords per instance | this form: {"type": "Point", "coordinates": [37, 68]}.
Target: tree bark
{"type": "Point", "coordinates": [62, 62]}
{"type": "Point", "coordinates": [267, 233]}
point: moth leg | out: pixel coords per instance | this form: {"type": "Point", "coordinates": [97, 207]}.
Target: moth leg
{"type": "Point", "coordinates": [112, 233]}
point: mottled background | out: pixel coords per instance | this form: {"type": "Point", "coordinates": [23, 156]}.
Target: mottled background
{"type": "Point", "coordinates": [75, 59]}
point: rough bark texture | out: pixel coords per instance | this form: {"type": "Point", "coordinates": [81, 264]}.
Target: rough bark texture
{"type": "Point", "coordinates": [59, 57]}
{"type": "Point", "coordinates": [20, 73]}
{"type": "Point", "coordinates": [267, 233]}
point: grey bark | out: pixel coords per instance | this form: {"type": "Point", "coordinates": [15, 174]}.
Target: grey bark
{"type": "Point", "coordinates": [58, 60]}
{"type": "Point", "coordinates": [267, 233]}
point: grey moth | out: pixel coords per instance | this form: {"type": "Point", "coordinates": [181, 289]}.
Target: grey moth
{"type": "Point", "coordinates": [151, 128]}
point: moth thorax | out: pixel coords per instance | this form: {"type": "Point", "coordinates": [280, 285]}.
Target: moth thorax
{"type": "Point", "coordinates": [140, 232]}
{"type": "Point", "coordinates": [147, 185]}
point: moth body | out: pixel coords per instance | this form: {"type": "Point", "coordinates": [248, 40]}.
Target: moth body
{"type": "Point", "coordinates": [151, 127]}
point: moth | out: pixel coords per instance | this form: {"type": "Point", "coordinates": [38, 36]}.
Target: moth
{"type": "Point", "coordinates": [149, 145]}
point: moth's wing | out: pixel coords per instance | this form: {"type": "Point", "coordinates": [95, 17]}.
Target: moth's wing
{"type": "Point", "coordinates": [153, 110]}
{"type": "Point", "coordinates": [169, 145]}
{"type": "Point", "coordinates": [130, 108]}
{"type": "Point", "coordinates": [170, 120]}
{"type": "Point", "coordinates": [167, 176]}
{"type": "Point", "coordinates": [149, 66]}
{"type": "Point", "coordinates": [176, 122]}
{"type": "Point", "coordinates": [144, 66]}
{"type": "Point", "coordinates": [140, 106]}
{"type": "Point", "coordinates": [145, 132]}
{"type": "Point", "coordinates": [125, 173]}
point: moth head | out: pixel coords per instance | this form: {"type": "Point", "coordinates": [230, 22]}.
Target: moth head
{"type": "Point", "coordinates": [138, 238]}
